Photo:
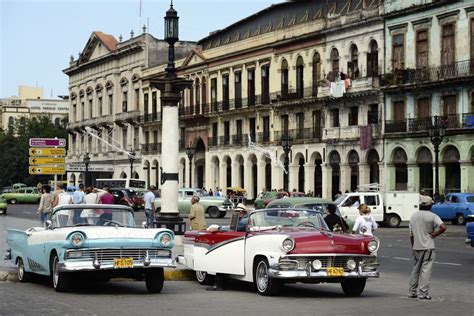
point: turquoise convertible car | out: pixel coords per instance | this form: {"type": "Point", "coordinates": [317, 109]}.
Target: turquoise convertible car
{"type": "Point", "coordinates": [99, 241]}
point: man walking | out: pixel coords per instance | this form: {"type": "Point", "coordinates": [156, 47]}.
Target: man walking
{"type": "Point", "coordinates": [78, 197]}
{"type": "Point", "coordinates": [424, 228]}
{"type": "Point", "coordinates": [196, 216]}
{"type": "Point", "coordinates": [149, 200]}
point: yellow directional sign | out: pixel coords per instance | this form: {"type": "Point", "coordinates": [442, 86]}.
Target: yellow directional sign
{"type": "Point", "coordinates": [38, 152]}
{"type": "Point", "coordinates": [46, 170]}
{"type": "Point", "coordinates": [47, 161]}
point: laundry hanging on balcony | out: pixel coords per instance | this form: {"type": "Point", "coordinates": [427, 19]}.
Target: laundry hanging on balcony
{"type": "Point", "coordinates": [338, 88]}
{"type": "Point", "coordinates": [365, 137]}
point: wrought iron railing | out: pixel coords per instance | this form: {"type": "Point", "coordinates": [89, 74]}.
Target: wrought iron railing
{"type": "Point", "coordinates": [452, 121]}
{"type": "Point", "coordinates": [150, 149]}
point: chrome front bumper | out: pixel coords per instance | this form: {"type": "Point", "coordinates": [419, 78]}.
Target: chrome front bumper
{"type": "Point", "coordinates": [7, 255]}
{"type": "Point", "coordinates": [301, 274]}
{"type": "Point", "coordinates": [90, 265]}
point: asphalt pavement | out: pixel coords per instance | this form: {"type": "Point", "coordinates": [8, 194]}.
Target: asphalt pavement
{"type": "Point", "coordinates": [452, 287]}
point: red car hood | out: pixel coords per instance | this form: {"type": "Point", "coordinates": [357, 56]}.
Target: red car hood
{"type": "Point", "coordinates": [313, 242]}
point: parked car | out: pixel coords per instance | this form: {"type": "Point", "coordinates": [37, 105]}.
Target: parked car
{"type": "Point", "coordinates": [266, 197]}
{"type": "Point", "coordinates": [91, 240]}
{"type": "Point", "coordinates": [215, 206]}
{"type": "Point", "coordinates": [22, 195]}
{"type": "Point", "coordinates": [282, 245]}
{"type": "Point", "coordinates": [129, 197]}
{"type": "Point", "coordinates": [313, 203]}
{"type": "Point", "coordinates": [456, 207]}
{"type": "Point", "coordinates": [3, 206]}
{"type": "Point", "coordinates": [390, 208]}
{"type": "Point", "coordinates": [470, 233]}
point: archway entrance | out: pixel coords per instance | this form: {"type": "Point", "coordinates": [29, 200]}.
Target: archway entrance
{"type": "Point", "coordinates": [268, 174]}
{"type": "Point", "coordinates": [424, 161]}
{"type": "Point", "coordinates": [373, 162]}
{"type": "Point", "coordinates": [451, 159]}
{"type": "Point", "coordinates": [301, 174]}
{"type": "Point", "coordinates": [401, 170]}
{"type": "Point", "coordinates": [200, 163]}
{"type": "Point", "coordinates": [318, 176]}
{"type": "Point", "coordinates": [228, 172]}
{"type": "Point", "coordinates": [353, 158]}
{"type": "Point", "coordinates": [335, 163]}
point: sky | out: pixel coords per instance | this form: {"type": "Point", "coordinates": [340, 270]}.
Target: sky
{"type": "Point", "coordinates": [37, 37]}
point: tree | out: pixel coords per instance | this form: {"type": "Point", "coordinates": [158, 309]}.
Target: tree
{"type": "Point", "coordinates": [14, 145]}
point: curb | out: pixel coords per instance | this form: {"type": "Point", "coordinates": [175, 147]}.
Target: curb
{"type": "Point", "coordinates": [170, 275]}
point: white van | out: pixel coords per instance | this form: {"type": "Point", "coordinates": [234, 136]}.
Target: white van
{"type": "Point", "coordinates": [390, 208]}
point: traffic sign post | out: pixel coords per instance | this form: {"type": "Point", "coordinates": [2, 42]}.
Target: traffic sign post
{"type": "Point", "coordinates": [47, 161]}
{"type": "Point", "coordinates": [47, 170]}
{"type": "Point", "coordinates": [41, 152]}
{"type": "Point", "coordinates": [47, 142]}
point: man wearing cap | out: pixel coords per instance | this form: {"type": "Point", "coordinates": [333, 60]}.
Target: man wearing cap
{"type": "Point", "coordinates": [196, 216]}
{"type": "Point", "coordinates": [425, 201]}
{"type": "Point", "coordinates": [243, 217]}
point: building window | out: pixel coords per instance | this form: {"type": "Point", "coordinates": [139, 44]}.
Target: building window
{"type": "Point", "coordinates": [124, 137]}
{"type": "Point", "coordinates": [373, 114]}
{"type": "Point", "coordinates": [334, 65]}
{"type": "Point", "coordinates": [353, 65]}
{"type": "Point", "coordinates": [57, 122]}
{"type": "Point", "coordinates": [182, 137]}
{"type": "Point", "coordinates": [335, 117]}
{"type": "Point", "coordinates": [284, 78]}
{"type": "Point", "coordinates": [73, 113]}
{"type": "Point", "coordinates": [284, 124]}
{"type": "Point", "coordinates": [155, 138]}
{"type": "Point", "coordinates": [225, 92]}
{"type": "Point", "coordinates": [423, 108]}
{"type": "Point", "coordinates": [125, 102]}
{"type": "Point", "coordinates": [265, 84]}
{"type": "Point", "coordinates": [447, 45]}
{"type": "Point", "coordinates": [251, 86]}
{"type": "Point", "coordinates": [204, 90]}
{"type": "Point", "coordinates": [154, 106]}
{"type": "Point", "coordinates": [214, 134]}
{"type": "Point", "coordinates": [145, 106]}
{"type": "Point", "coordinates": [101, 105]}
{"type": "Point", "coordinates": [226, 133]}
{"type": "Point", "coordinates": [300, 125]}
{"type": "Point", "coordinates": [399, 111]}
{"type": "Point", "coordinates": [137, 99]}
{"type": "Point", "coordinates": [316, 124]}
{"type": "Point", "coordinates": [111, 104]}
{"type": "Point", "coordinates": [353, 116]}
{"type": "Point", "coordinates": [373, 60]}
{"type": "Point", "coordinates": [99, 141]}
{"type": "Point", "coordinates": [299, 77]}
{"type": "Point", "coordinates": [398, 51]}
{"type": "Point", "coordinates": [422, 49]}
{"type": "Point", "coordinates": [191, 97]}
{"type": "Point", "coordinates": [90, 108]}
{"type": "Point", "coordinates": [238, 89]}
{"type": "Point", "coordinates": [83, 105]}
{"type": "Point", "coordinates": [238, 127]}
{"type": "Point", "coordinates": [197, 89]}
{"type": "Point", "coordinates": [136, 137]}
{"type": "Point", "coordinates": [252, 128]}
{"type": "Point", "coordinates": [316, 72]}
{"type": "Point", "coordinates": [266, 129]}
{"type": "Point", "coordinates": [214, 94]}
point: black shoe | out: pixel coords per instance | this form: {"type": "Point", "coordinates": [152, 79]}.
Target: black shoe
{"type": "Point", "coordinates": [426, 297]}
{"type": "Point", "coordinates": [412, 296]}
{"type": "Point", "coordinates": [214, 288]}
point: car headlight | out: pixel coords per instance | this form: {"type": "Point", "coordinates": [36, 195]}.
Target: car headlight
{"type": "Point", "coordinates": [351, 264]}
{"type": "Point", "coordinates": [77, 239]}
{"type": "Point", "coordinates": [288, 244]}
{"type": "Point", "coordinates": [373, 245]}
{"type": "Point", "coordinates": [317, 264]}
{"type": "Point", "coordinates": [166, 240]}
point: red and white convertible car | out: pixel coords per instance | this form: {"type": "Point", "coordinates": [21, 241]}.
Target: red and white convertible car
{"type": "Point", "coordinates": [281, 246]}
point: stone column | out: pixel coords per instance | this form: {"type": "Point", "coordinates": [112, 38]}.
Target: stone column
{"type": "Point", "coordinates": [235, 173]}
{"type": "Point", "coordinates": [467, 173]}
{"type": "Point", "coordinates": [222, 176]}
{"type": "Point", "coordinates": [364, 174]}
{"type": "Point", "coordinates": [261, 175]}
{"type": "Point", "coordinates": [413, 177]}
{"type": "Point", "coordinates": [309, 178]}
{"type": "Point", "coordinates": [293, 183]}
{"type": "Point", "coordinates": [248, 180]}
{"type": "Point", "coordinates": [327, 183]}
{"type": "Point", "coordinates": [345, 177]}
{"type": "Point", "coordinates": [277, 177]}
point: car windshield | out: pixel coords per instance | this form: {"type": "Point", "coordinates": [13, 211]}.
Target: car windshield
{"type": "Point", "coordinates": [296, 218]}
{"type": "Point", "coordinates": [340, 199]}
{"type": "Point", "coordinates": [470, 199]}
{"type": "Point", "coordinates": [92, 217]}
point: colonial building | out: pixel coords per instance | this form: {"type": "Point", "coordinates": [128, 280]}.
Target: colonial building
{"type": "Point", "coordinates": [429, 71]}
{"type": "Point", "coordinates": [106, 96]}
{"type": "Point", "coordinates": [282, 72]}
{"type": "Point", "coordinates": [31, 104]}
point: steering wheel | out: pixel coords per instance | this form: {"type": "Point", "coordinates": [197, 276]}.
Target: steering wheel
{"type": "Point", "coordinates": [306, 224]}
{"type": "Point", "coordinates": [108, 222]}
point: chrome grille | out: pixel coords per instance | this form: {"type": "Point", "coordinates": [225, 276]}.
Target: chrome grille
{"type": "Point", "coordinates": [328, 261]}
{"type": "Point", "coordinates": [111, 254]}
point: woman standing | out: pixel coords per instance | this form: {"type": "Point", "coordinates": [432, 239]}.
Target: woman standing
{"type": "Point", "coordinates": [45, 205]}
{"type": "Point", "coordinates": [92, 197]}
{"type": "Point", "coordinates": [365, 223]}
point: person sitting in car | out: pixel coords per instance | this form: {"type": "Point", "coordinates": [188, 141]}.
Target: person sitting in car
{"type": "Point", "coordinates": [334, 221]}
{"type": "Point", "coordinates": [241, 225]}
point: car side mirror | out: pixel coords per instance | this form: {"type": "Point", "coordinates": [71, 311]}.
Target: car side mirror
{"type": "Point", "coordinates": [48, 224]}
{"type": "Point", "coordinates": [143, 224]}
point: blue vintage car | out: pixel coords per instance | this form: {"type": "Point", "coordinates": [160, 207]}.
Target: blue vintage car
{"type": "Point", "coordinates": [97, 241]}
{"type": "Point", "coordinates": [457, 208]}
{"type": "Point", "coordinates": [470, 234]}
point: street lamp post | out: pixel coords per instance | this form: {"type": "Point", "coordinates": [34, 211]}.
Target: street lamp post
{"type": "Point", "coordinates": [190, 154]}
{"type": "Point", "coordinates": [286, 143]}
{"type": "Point", "coordinates": [131, 158]}
{"type": "Point", "coordinates": [86, 160]}
{"type": "Point", "coordinates": [437, 131]}
{"type": "Point", "coordinates": [170, 87]}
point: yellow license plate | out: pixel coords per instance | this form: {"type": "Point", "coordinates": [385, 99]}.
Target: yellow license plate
{"type": "Point", "coordinates": [120, 263]}
{"type": "Point", "coordinates": [335, 272]}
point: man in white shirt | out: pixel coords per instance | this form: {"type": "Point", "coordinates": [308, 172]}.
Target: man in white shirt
{"type": "Point", "coordinates": [149, 200]}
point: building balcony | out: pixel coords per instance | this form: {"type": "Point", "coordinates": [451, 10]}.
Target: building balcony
{"type": "Point", "coordinates": [263, 137]}
{"type": "Point", "coordinates": [151, 149]}
{"type": "Point", "coordinates": [224, 140]}
{"type": "Point", "coordinates": [240, 140]}
{"type": "Point", "coordinates": [459, 71]}
{"type": "Point", "coordinates": [212, 141]}
{"type": "Point", "coordinates": [149, 118]}
{"type": "Point", "coordinates": [454, 123]}
{"type": "Point", "coordinates": [299, 136]}
{"type": "Point", "coordinates": [131, 117]}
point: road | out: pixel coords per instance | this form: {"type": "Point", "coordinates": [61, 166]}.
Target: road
{"type": "Point", "coordinates": [452, 287]}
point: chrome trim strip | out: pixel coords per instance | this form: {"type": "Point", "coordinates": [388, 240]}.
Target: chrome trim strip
{"type": "Point", "coordinates": [76, 266]}
{"type": "Point", "coordinates": [223, 243]}
{"type": "Point", "coordinates": [302, 274]}
{"type": "Point", "coordinates": [327, 255]}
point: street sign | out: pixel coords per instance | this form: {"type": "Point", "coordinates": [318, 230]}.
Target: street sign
{"type": "Point", "coordinates": [38, 152]}
{"type": "Point", "coordinates": [46, 170]}
{"type": "Point", "coordinates": [47, 142]}
{"type": "Point", "coordinates": [47, 161]}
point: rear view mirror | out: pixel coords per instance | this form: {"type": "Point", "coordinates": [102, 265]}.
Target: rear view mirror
{"type": "Point", "coordinates": [48, 224]}
{"type": "Point", "coordinates": [143, 224]}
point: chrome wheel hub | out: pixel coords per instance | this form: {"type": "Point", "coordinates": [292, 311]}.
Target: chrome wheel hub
{"type": "Point", "coordinates": [262, 276]}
